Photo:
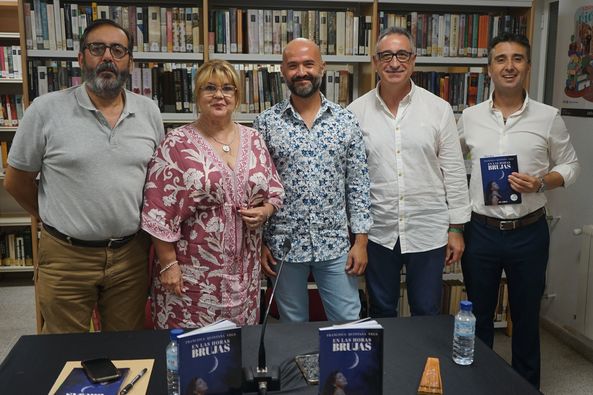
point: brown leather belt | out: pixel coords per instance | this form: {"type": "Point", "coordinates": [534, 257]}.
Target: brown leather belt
{"type": "Point", "coordinates": [509, 224]}
{"type": "Point", "coordinates": [109, 243]}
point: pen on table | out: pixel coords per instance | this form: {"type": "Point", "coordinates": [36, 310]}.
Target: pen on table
{"type": "Point", "coordinates": [128, 387]}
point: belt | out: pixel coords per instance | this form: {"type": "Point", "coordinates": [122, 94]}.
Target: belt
{"type": "Point", "coordinates": [509, 224]}
{"type": "Point", "coordinates": [108, 243]}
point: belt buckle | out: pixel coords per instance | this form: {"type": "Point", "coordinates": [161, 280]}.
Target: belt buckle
{"type": "Point", "coordinates": [502, 225]}
{"type": "Point", "coordinates": [114, 241]}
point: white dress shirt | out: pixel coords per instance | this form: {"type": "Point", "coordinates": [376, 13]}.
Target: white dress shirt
{"type": "Point", "coordinates": [535, 133]}
{"type": "Point", "coordinates": [418, 178]}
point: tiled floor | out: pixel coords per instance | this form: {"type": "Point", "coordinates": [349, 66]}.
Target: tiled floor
{"type": "Point", "coordinates": [564, 371]}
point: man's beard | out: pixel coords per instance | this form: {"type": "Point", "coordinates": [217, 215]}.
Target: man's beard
{"type": "Point", "coordinates": [107, 88]}
{"type": "Point", "coordinates": [307, 90]}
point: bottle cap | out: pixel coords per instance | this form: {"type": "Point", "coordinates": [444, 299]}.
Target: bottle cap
{"type": "Point", "coordinates": [173, 333]}
{"type": "Point", "coordinates": [465, 305]}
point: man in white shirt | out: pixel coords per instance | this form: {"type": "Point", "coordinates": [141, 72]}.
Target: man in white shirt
{"type": "Point", "coordinates": [419, 198]}
{"type": "Point", "coordinates": [513, 237]}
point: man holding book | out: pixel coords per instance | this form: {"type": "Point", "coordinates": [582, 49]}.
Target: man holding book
{"type": "Point", "coordinates": [319, 153]}
{"type": "Point", "coordinates": [513, 234]}
{"type": "Point", "coordinates": [419, 199]}
{"type": "Point", "coordinates": [91, 145]}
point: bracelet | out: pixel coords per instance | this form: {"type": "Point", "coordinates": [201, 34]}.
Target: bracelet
{"type": "Point", "coordinates": [456, 230]}
{"type": "Point", "coordinates": [542, 185]}
{"type": "Point", "coordinates": [169, 266]}
{"type": "Point", "coordinates": [269, 215]}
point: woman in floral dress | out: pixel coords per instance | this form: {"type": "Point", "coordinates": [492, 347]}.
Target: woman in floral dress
{"type": "Point", "coordinates": [210, 189]}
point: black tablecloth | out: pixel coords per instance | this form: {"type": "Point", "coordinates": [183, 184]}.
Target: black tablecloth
{"type": "Point", "coordinates": [34, 363]}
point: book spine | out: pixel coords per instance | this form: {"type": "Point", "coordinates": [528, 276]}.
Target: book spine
{"type": "Point", "coordinates": [163, 29]}
{"type": "Point", "coordinates": [323, 32]}
{"type": "Point", "coordinates": [195, 23]}
{"type": "Point", "coordinates": [154, 29]}
{"type": "Point", "coordinates": [188, 32]}
{"type": "Point", "coordinates": [340, 33]}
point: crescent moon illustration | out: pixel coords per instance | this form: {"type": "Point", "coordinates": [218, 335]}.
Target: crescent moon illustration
{"type": "Point", "coordinates": [83, 389]}
{"type": "Point", "coordinates": [501, 174]}
{"type": "Point", "coordinates": [356, 361]}
{"type": "Point", "coordinates": [215, 365]}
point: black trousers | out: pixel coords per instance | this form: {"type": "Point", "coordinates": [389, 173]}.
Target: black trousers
{"type": "Point", "coordinates": [523, 255]}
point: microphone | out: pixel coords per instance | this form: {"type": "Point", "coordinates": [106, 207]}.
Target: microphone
{"type": "Point", "coordinates": [262, 379]}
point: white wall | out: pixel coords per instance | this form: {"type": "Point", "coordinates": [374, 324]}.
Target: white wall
{"type": "Point", "coordinates": [574, 205]}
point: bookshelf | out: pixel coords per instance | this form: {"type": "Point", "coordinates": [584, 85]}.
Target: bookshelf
{"type": "Point", "coordinates": [17, 249]}
{"type": "Point", "coordinates": [214, 38]}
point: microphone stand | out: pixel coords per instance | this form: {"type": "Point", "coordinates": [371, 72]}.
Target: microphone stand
{"type": "Point", "coordinates": [262, 379]}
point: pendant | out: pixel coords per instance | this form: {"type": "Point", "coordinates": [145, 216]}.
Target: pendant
{"type": "Point", "coordinates": [226, 148]}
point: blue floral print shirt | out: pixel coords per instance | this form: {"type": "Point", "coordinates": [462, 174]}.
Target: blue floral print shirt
{"type": "Point", "coordinates": [326, 182]}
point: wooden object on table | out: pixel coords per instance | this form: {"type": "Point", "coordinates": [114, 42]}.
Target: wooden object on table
{"type": "Point", "coordinates": [431, 382]}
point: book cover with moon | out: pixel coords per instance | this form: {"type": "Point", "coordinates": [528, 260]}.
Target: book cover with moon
{"type": "Point", "coordinates": [351, 359]}
{"type": "Point", "coordinates": [495, 180]}
{"type": "Point", "coordinates": [78, 383]}
{"type": "Point", "coordinates": [210, 360]}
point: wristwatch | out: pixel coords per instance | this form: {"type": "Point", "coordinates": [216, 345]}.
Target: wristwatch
{"type": "Point", "coordinates": [542, 185]}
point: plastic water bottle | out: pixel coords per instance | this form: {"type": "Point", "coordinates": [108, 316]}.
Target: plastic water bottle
{"type": "Point", "coordinates": [173, 363]}
{"type": "Point", "coordinates": [464, 334]}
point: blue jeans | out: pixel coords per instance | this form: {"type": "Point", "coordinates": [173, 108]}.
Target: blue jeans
{"type": "Point", "coordinates": [523, 255]}
{"type": "Point", "coordinates": [338, 290]}
{"type": "Point", "coordinates": [424, 279]}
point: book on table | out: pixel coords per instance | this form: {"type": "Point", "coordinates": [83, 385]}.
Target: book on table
{"type": "Point", "coordinates": [78, 382]}
{"type": "Point", "coordinates": [351, 358]}
{"type": "Point", "coordinates": [210, 359]}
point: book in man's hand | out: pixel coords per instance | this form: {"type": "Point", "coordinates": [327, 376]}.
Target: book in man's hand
{"type": "Point", "coordinates": [210, 360]}
{"type": "Point", "coordinates": [78, 382]}
{"type": "Point", "coordinates": [495, 180]}
{"type": "Point", "coordinates": [351, 358]}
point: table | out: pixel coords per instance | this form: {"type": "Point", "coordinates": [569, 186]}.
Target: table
{"type": "Point", "coordinates": [33, 364]}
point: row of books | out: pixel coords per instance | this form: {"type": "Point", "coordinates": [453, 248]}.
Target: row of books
{"type": "Point", "coordinates": [454, 292]}
{"type": "Point", "coordinates": [502, 305]}
{"type": "Point", "coordinates": [168, 84]}
{"type": "Point", "coordinates": [463, 35]}
{"type": "Point", "coordinates": [11, 109]}
{"type": "Point", "coordinates": [55, 26]}
{"type": "Point", "coordinates": [10, 62]}
{"type": "Point", "coordinates": [16, 248]}
{"type": "Point", "coordinates": [461, 90]}
{"type": "Point", "coordinates": [266, 31]}
{"type": "Point", "coordinates": [4, 148]}
{"type": "Point", "coordinates": [51, 75]}
{"type": "Point", "coordinates": [455, 267]}
{"type": "Point", "coordinates": [171, 86]}
{"type": "Point", "coordinates": [263, 86]}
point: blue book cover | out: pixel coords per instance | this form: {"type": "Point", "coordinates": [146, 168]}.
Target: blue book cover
{"type": "Point", "coordinates": [351, 359]}
{"type": "Point", "coordinates": [77, 383]}
{"type": "Point", "coordinates": [495, 182]}
{"type": "Point", "coordinates": [210, 360]}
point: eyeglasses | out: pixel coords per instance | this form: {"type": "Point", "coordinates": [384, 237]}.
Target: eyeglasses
{"type": "Point", "coordinates": [227, 90]}
{"type": "Point", "coordinates": [401, 55]}
{"type": "Point", "coordinates": [118, 51]}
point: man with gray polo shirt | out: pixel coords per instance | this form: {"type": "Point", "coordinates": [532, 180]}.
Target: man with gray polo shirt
{"type": "Point", "coordinates": [91, 145]}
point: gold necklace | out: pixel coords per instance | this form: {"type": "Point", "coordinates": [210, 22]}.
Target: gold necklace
{"type": "Point", "coordinates": [226, 147]}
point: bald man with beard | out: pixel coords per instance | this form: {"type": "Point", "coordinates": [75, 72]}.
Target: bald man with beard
{"type": "Point", "coordinates": [319, 153]}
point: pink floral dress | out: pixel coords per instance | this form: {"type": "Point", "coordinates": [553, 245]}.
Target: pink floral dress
{"type": "Point", "coordinates": [191, 198]}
